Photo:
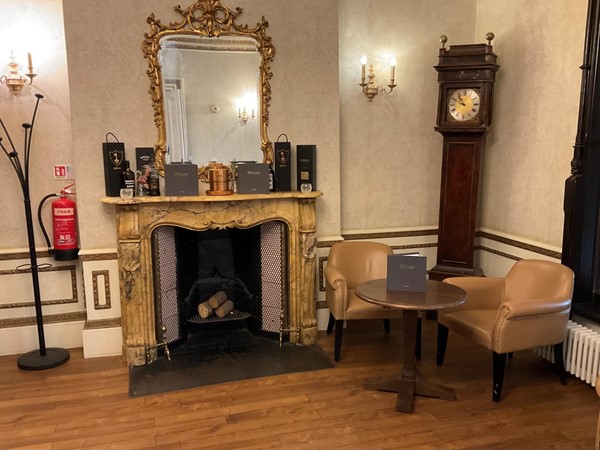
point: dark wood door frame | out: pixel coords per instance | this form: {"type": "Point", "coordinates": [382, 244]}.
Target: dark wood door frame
{"type": "Point", "coordinates": [581, 230]}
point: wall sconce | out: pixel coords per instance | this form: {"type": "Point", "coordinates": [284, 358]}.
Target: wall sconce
{"type": "Point", "coordinates": [369, 88]}
{"type": "Point", "coordinates": [243, 114]}
{"type": "Point", "coordinates": [13, 80]}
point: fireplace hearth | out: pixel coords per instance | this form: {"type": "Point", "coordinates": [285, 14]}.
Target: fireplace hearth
{"type": "Point", "coordinates": [229, 357]}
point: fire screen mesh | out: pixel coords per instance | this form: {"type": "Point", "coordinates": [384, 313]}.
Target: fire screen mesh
{"type": "Point", "coordinates": [273, 276]}
{"type": "Point", "coordinates": [166, 281]}
{"type": "Point", "coordinates": [273, 294]}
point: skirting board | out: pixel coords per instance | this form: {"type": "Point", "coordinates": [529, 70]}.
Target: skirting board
{"type": "Point", "coordinates": [18, 340]}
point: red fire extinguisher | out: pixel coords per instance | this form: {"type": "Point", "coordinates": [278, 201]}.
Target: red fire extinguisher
{"type": "Point", "coordinates": [64, 225]}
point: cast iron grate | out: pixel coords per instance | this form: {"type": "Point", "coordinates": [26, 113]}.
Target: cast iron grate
{"type": "Point", "coordinates": [233, 315]}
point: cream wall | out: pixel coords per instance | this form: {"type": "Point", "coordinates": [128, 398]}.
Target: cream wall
{"type": "Point", "coordinates": [109, 91]}
{"type": "Point", "coordinates": [528, 155]}
{"type": "Point", "coordinates": [379, 163]}
{"type": "Point", "coordinates": [390, 153]}
{"type": "Point", "coordinates": [384, 150]}
{"type": "Point", "coordinates": [38, 29]}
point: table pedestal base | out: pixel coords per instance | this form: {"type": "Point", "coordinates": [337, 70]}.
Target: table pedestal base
{"type": "Point", "coordinates": [407, 388]}
{"type": "Point", "coordinates": [410, 383]}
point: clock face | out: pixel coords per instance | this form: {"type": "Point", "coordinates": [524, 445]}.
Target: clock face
{"type": "Point", "coordinates": [463, 104]}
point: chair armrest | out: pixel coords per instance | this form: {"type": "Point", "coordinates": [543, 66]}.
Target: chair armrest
{"type": "Point", "coordinates": [336, 291]}
{"type": "Point", "coordinates": [526, 309]}
{"type": "Point", "coordinates": [482, 292]}
{"type": "Point", "coordinates": [333, 276]}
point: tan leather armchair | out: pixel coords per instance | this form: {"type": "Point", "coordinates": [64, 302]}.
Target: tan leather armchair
{"type": "Point", "coordinates": [527, 309]}
{"type": "Point", "coordinates": [350, 264]}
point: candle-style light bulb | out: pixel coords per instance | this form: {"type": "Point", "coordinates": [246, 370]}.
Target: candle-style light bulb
{"type": "Point", "coordinates": [30, 63]}
{"type": "Point", "coordinates": [363, 62]}
{"type": "Point", "coordinates": [393, 70]}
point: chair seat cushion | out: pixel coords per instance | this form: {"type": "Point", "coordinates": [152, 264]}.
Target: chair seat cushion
{"type": "Point", "coordinates": [475, 325]}
{"type": "Point", "coordinates": [360, 309]}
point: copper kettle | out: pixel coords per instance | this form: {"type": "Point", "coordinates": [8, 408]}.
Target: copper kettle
{"type": "Point", "coordinates": [218, 176]}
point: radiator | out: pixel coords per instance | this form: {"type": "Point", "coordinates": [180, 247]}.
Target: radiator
{"type": "Point", "coordinates": [581, 351]}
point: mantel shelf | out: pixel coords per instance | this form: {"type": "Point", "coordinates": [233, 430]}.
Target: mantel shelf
{"type": "Point", "coordinates": [211, 198]}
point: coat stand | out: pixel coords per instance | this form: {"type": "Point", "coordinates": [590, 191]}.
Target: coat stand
{"type": "Point", "coordinates": [43, 358]}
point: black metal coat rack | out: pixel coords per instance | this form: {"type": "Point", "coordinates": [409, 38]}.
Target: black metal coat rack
{"type": "Point", "coordinates": [44, 358]}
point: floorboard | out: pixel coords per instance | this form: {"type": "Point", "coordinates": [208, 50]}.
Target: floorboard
{"type": "Point", "coordinates": [85, 404]}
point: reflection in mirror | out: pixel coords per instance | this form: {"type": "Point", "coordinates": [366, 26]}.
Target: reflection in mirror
{"type": "Point", "coordinates": [214, 120]}
{"type": "Point", "coordinates": [175, 117]}
{"type": "Point", "coordinates": [210, 86]}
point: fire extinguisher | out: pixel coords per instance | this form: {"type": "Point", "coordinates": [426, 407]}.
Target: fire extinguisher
{"type": "Point", "coordinates": [64, 225]}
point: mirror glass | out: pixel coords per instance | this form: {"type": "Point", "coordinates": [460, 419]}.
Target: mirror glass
{"type": "Point", "coordinates": [210, 86]}
{"type": "Point", "coordinates": [210, 92]}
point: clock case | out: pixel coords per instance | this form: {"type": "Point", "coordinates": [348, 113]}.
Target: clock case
{"type": "Point", "coordinates": [471, 66]}
{"type": "Point", "coordinates": [462, 66]}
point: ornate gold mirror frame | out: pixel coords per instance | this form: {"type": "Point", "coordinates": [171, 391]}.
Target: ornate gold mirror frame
{"type": "Point", "coordinates": [207, 18]}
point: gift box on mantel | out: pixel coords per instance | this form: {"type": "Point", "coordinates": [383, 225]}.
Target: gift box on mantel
{"type": "Point", "coordinates": [252, 178]}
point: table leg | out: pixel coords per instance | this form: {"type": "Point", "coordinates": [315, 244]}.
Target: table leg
{"type": "Point", "coordinates": [410, 382]}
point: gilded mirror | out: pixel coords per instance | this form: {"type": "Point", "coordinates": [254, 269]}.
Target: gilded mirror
{"type": "Point", "coordinates": [210, 86]}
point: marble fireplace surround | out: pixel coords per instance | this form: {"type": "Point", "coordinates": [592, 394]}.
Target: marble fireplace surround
{"type": "Point", "coordinates": [138, 217]}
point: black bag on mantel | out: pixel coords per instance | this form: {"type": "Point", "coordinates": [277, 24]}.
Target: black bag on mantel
{"type": "Point", "coordinates": [113, 154]}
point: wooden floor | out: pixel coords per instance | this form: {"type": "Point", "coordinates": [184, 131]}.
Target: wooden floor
{"type": "Point", "coordinates": [84, 403]}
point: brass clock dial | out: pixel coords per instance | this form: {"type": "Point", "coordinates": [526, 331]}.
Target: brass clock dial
{"type": "Point", "coordinates": [463, 104]}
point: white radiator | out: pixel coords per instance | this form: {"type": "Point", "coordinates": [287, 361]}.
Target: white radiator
{"type": "Point", "coordinates": [581, 350]}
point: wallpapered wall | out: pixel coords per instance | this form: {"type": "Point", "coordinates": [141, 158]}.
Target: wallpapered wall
{"type": "Point", "coordinates": [35, 27]}
{"type": "Point", "coordinates": [536, 105]}
{"type": "Point", "coordinates": [109, 89]}
{"type": "Point", "coordinates": [379, 162]}
{"type": "Point", "coordinates": [540, 48]}
{"type": "Point", "coordinates": [391, 155]}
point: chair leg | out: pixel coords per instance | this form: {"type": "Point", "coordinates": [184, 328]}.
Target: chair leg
{"type": "Point", "coordinates": [339, 329]}
{"type": "Point", "coordinates": [442, 340]}
{"type": "Point", "coordinates": [418, 341]}
{"type": "Point", "coordinates": [560, 363]}
{"type": "Point", "coordinates": [386, 325]}
{"type": "Point", "coordinates": [499, 365]}
{"type": "Point", "coordinates": [330, 324]}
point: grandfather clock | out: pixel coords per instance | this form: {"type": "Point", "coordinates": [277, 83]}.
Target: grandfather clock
{"type": "Point", "coordinates": [466, 75]}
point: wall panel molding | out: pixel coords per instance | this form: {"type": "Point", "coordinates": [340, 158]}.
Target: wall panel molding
{"type": "Point", "coordinates": [73, 278]}
{"type": "Point", "coordinates": [24, 255]}
{"type": "Point", "coordinates": [48, 319]}
{"type": "Point", "coordinates": [518, 244]}
{"type": "Point", "coordinates": [106, 303]}
{"type": "Point", "coordinates": [102, 323]}
{"type": "Point", "coordinates": [98, 256]}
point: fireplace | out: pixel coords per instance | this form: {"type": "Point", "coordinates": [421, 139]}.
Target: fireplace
{"type": "Point", "coordinates": [139, 217]}
{"type": "Point", "coordinates": [247, 266]}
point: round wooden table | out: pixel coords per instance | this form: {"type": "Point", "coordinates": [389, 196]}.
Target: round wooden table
{"type": "Point", "coordinates": [437, 295]}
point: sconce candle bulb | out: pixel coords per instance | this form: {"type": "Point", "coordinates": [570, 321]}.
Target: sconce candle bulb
{"type": "Point", "coordinates": [363, 62]}
{"type": "Point", "coordinates": [393, 70]}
